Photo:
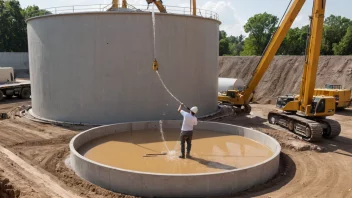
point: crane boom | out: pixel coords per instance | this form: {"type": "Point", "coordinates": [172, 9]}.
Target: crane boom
{"type": "Point", "coordinates": [313, 53]}
{"type": "Point", "coordinates": [272, 48]}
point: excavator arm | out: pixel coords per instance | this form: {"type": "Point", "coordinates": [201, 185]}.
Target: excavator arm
{"type": "Point", "coordinates": [272, 48]}
{"type": "Point", "coordinates": [312, 57]}
{"type": "Point", "coordinates": [159, 5]}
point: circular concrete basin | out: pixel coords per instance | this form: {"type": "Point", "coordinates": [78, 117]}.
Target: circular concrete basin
{"type": "Point", "coordinates": [148, 184]}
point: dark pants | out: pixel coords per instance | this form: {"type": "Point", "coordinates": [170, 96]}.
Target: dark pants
{"type": "Point", "coordinates": [186, 136]}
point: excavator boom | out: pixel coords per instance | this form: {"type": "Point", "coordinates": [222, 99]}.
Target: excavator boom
{"type": "Point", "coordinates": [273, 47]}
{"type": "Point", "coordinates": [313, 53]}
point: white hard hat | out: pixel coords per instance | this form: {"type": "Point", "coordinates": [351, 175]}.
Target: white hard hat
{"type": "Point", "coordinates": [194, 110]}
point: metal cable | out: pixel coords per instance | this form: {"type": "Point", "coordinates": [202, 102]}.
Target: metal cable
{"type": "Point", "coordinates": [271, 38]}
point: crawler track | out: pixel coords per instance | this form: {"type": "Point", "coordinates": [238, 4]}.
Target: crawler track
{"type": "Point", "coordinates": [334, 129]}
{"type": "Point", "coordinates": [309, 130]}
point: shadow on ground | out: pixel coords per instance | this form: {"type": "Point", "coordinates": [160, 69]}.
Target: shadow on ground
{"type": "Point", "coordinates": [212, 164]}
{"type": "Point", "coordinates": [286, 173]}
{"type": "Point", "coordinates": [344, 112]}
{"type": "Point", "coordinates": [13, 100]}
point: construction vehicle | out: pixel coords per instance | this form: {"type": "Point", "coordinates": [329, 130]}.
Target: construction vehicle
{"type": "Point", "coordinates": [342, 96]}
{"type": "Point", "coordinates": [241, 98]}
{"type": "Point", "coordinates": [9, 87]}
{"type": "Point", "coordinates": [305, 114]}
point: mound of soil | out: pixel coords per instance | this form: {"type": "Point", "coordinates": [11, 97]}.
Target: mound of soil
{"type": "Point", "coordinates": [285, 72]}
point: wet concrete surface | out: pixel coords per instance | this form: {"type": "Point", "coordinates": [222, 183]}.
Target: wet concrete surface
{"type": "Point", "coordinates": [143, 151]}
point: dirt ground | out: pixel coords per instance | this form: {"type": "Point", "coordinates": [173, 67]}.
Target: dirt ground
{"type": "Point", "coordinates": [32, 157]}
{"type": "Point", "coordinates": [285, 72]}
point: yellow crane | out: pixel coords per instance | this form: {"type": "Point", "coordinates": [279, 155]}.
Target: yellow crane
{"type": "Point", "coordinates": [306, 113]}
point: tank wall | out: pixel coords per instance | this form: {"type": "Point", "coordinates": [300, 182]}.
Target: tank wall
{"type": "Point", "coordinates": [97, 67]}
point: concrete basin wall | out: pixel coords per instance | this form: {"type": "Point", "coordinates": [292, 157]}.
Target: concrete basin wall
{"type": "Point", "coordinates": [173, 185]}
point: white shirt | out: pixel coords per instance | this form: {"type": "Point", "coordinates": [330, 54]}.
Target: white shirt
{"type": "Point", "coordinates": [188, 121]}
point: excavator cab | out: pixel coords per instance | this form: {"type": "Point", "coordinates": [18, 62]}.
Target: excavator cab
{"type": "Point", "coordinates": [283, 100]}
{"type": "Point", "coordinates": [231, 93]}
{"type": "Point", "coordinates": [323, 106]}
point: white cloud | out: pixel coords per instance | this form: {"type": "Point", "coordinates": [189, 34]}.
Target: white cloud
{"type": "Point", "coordinates": [301, 20]}
{"type": "Point", "coordinates": [231, 22]}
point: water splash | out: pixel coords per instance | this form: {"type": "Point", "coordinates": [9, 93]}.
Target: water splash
{"type": "Point", "coordinates": [162, 135]}
{"type": "Point", "coordinates": [171, 154]}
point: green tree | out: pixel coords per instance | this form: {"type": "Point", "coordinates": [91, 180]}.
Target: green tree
{"type": "Point", "coordinates": [294, 42]}
{"type": "Point", "coordinates": [222, 35]}
{"type": "Point", "coordinates": [33, 11]}
{"type": "Point", "coordinates": [13, 36]}
{"type": "Point", "coordinates": [335, 28]}
{"type": "Point", "coordinates": [236, 45]}
{"type": "Point", "coordinates": [344, 47]}
{"type": "Point", "coordinates": [260, 28]}
{"type": "Point", "coordinates": [223, 47]}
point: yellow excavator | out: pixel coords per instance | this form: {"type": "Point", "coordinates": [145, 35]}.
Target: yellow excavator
{"type": "Point", "coordinates": [305, 114]}
{"type": "Point", "coordinates": [302, 114]}
{"type": "Point", "coordinates": [241, 98]}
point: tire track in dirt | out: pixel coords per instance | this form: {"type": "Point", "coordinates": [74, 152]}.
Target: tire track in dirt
{"type": "Point", "coordinates": [37, 177]}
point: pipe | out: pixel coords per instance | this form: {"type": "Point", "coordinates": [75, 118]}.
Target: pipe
{"type": "Point", "coordinates": [194, 7]}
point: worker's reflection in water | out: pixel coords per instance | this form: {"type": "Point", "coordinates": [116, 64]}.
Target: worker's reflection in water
{"type": "Point", "coordinates": [189, 120]}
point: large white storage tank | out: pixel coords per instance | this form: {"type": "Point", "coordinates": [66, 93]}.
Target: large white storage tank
{"type": "Point", "coordinates": [225, 84]}
{"type": "Point", "coordinates": [96, 67]}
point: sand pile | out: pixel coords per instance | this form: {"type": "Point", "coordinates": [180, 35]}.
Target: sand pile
{"type": "Point", "coordinates": [285, 72]}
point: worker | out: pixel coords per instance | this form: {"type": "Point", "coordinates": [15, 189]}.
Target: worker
{"type": "Point", "coordinates": [189, 120]}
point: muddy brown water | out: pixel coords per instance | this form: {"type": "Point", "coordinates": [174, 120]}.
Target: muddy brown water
{"type": "Point", "coordinates": [140, 151]}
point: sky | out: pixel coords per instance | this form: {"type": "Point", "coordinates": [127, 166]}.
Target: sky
{"type": "Point", "coordinates": [233, 13]}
